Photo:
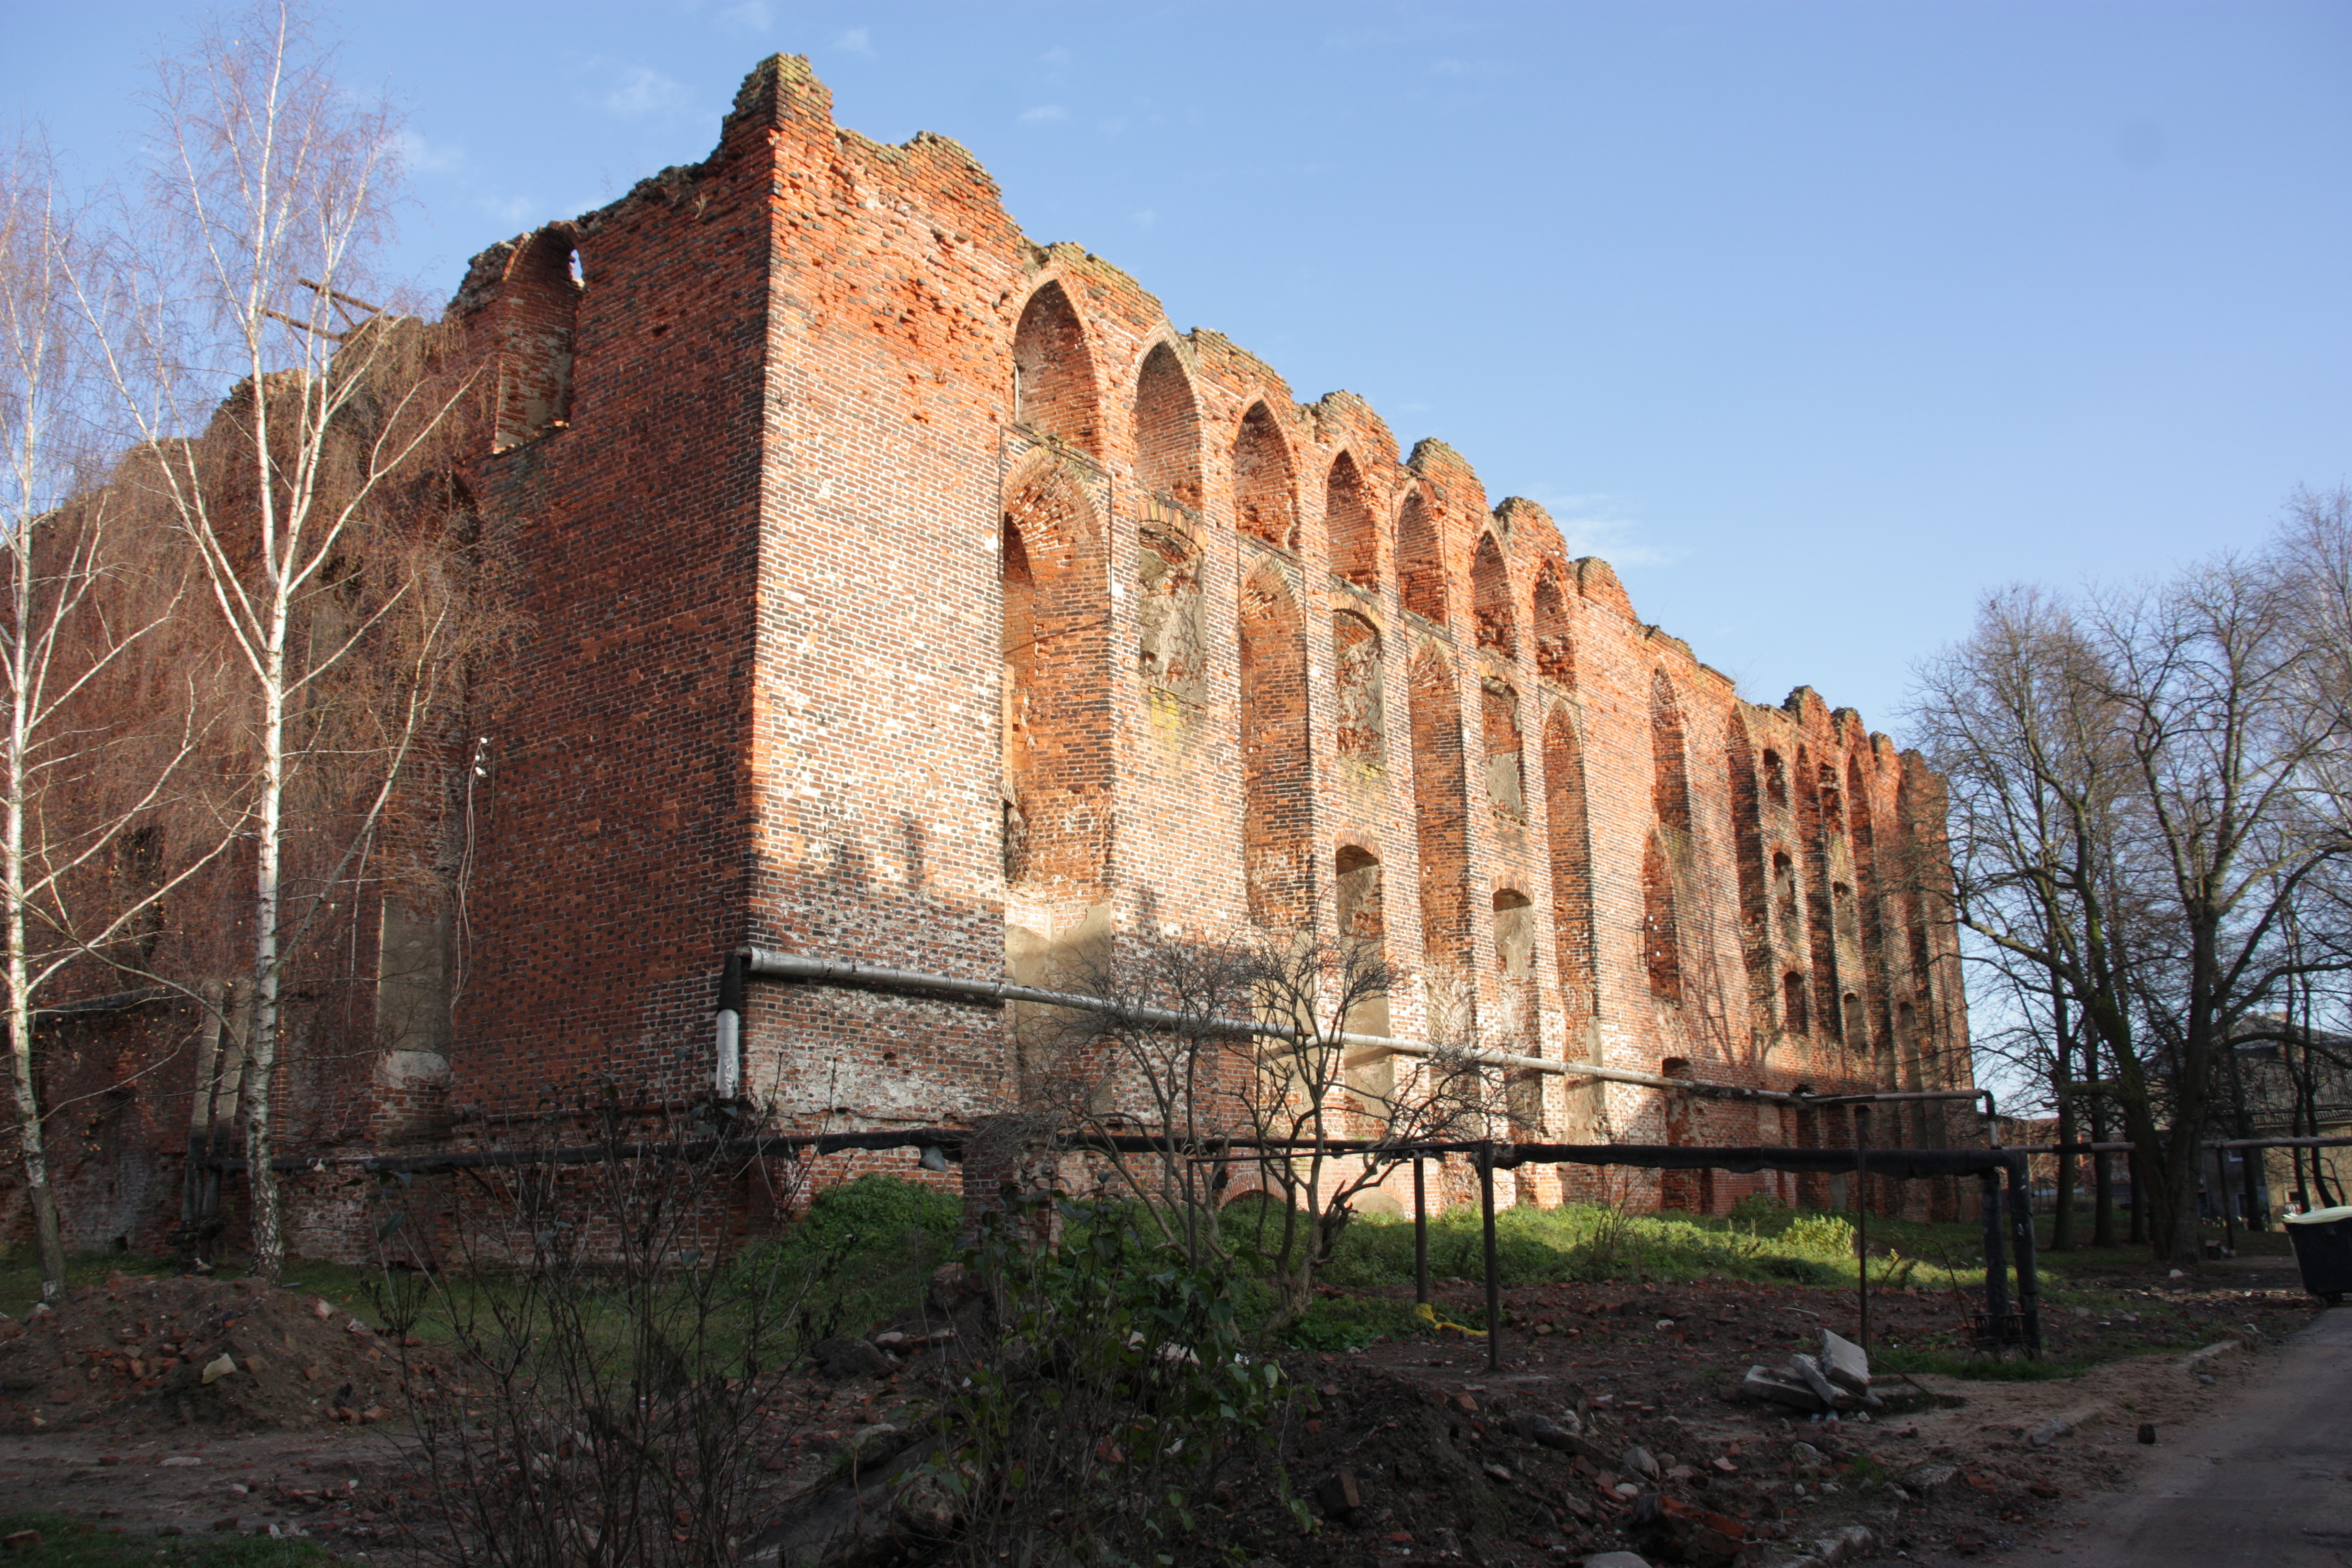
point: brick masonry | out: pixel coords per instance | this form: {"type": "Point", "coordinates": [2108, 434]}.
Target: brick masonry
{"type": "Point", "coordinates": [899, 589]}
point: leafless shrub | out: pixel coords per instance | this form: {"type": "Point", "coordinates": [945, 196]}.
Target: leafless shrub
{"type": "Point", "coordinates": [597, 1366]}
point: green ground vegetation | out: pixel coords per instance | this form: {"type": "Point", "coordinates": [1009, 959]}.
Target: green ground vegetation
{"type": "Point", "coordinates": [868, 1248]}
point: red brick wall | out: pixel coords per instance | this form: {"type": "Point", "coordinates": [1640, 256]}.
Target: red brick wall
{"type": "Point", "coordinates": [859, 482]}
{"type": "Point", "coordinates": [852, 526]}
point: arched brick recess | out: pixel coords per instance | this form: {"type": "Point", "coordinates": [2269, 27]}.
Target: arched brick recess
{"type": "Point", "coordinates": [1555, 641]}
{"type": "Point", "coordinates": [1670, 770]}
{"type": "Point", "coordinates": [1490, 599]}
{"type": "Point", "coordinates": [1441, 811]}
{"type": "Point", "coordinates": [1362, 707]}
{"type": "Point", "coordinates": [1748, 847]}
{"type": "Point", "coordinates": [1170, 647]}
{"type": "Point", "coordinates": [1057, 745]}
{"type": "Point", "coordinates": [1263, 506]}
{"type": "Point", "coordinates": [1354, 530]}
{"type": "Point", "coordinates": [1054, 372]}
{"type": "Point", "coordinates": [1167, 430]}
{"type": "Point", "coordinates": [1421, 571]}
{"type": "Point", "coordinates": [1661, 925]}
{"type": "Point", "coordinates": [1506, 767]}
{"type": "Point", "coordinates": [1813, 845]}
{"type": "Point", "coordinates": [1361, 906]}
{"type": "Point", "coordinates": [1870, 911]}
{"type": "Point", "coordinates": [539, 305]}
{"type": "Point", "coordinates": [1277, 864]}
{"type": "Point", "coordinates": [1570, 846]}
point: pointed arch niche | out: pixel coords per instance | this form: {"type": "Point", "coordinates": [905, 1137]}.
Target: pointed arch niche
{"type": "Point", "coordinates": [1670, 766]}
{"type": "Point", "coordinates": [1748, 846]}
{"type": "Point", "coordinates": [1262, 484]}
{"type": "Point", "coordinates": [1571, 868]}
{"type": "Point", "coordinates": [1555, 644]}
{"type": "Point", "coordinates": [1362, 707]}
{"type": "Point", "coordinates": [1441, 811]}
{"type": "Point", "coordinates": [539, 299]}
{"type": "Point", "coordinates": [1167, 430]}
{"type": "Point", "coordinates": [1420, 575]}
{"type": "Point", "coordinates": [1506, 770]}
{"type": "Point", "coordinates": [1054, 373]}
{"type": "Point", "coordinates": [1354, 532]}
{"type": "Point", "coordinates": [1276, 856]}
{"type": "Point", "coordinates": [1661, 926]}
{"type": "Point", "coordinates": [1490, 600]}
{"type": "Point", "coordinates": [1056, 691]}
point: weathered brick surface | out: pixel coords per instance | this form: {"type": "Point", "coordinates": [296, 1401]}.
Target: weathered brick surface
{"type": "Point", "coordinates": [902, 589]}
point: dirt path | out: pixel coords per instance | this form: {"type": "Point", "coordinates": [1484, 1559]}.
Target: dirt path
{"type": "Point", "coordinates": [322, 1484]}
{"type": "Point", "coordinates": [2265, 1482]}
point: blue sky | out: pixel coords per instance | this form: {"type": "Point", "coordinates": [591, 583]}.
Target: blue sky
{"type": "Point", "coordinates": [1816, 320]}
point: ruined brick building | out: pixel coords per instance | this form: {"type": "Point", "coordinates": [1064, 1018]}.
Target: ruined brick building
{"type": "Point", "coordinates": [906, 592]}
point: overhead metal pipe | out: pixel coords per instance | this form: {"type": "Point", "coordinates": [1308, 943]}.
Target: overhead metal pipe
{"type": "Point", "coordinates": [802, 969]}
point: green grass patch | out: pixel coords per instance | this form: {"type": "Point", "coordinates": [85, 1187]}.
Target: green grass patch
{"type": "Point", "coordinates": [1978, 1368]}
{"type": "Point", "coordinates": [1591, 1243]}
{"type": "Point", "coordinates": [867, 1247]}
{"type": "Point", "coordinates": [1350, 1322]}
{"type": "Point", "coordinates": [74, 1543]}
{"type": "Point", "coordinates": [20, 1276]}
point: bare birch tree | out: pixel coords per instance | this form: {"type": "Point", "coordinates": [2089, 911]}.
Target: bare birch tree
{"type": "Point", "coordinates": [81, 598]}
{"type": "Point", "coordinates": [274, 190]}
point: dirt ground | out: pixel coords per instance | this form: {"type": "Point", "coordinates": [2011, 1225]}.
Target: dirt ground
{"type": "Point", "coordinates": [1441, 1457]}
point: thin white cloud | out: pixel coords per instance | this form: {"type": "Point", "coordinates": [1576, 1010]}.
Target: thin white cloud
{"type": "Point", "coordinates": [420, 156]}
{"type": "Point", "coordinates": [1592, 525]}
{"type": "Point", "coordinates": [1057, 56]}
{"type": "Point", "coordinates": [1145, 218]}
{"type": "Point", "coordinates": [1042, 113]}
{"type": "Point", "coordinates": [515, 212]}
{"type": "Point", "coordinates": [751, 16]}
{"type": "Point", "coordinates": [856, 41]}
{"type": "Point", "coordinates": [644, 90]}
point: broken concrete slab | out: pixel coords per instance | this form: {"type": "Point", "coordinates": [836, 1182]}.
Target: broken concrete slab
{"type": "Point", "coordinates": [1777, 1388]}
{"type": "Point", "coordinates": [1844, 1362]}
{"type": "Point", "coordinates": [1809, 1371]}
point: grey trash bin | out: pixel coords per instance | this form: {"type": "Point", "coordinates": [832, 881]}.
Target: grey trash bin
{"type": "Point", "coordinates": [2323, 1249]}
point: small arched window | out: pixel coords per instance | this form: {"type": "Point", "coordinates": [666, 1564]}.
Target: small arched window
{"type": "Point", "coordinates": [1794, 1013]}
{"type": "Point", "coordinates": [1775, 778]}
{"type": "Point", "coordinates": [1515, 935]}
{"type": "Point", "coordinates": [1362, 899]}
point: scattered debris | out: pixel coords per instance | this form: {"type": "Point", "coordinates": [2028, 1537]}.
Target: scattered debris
{"type": "Point", "coordinates": [147, 1355]}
